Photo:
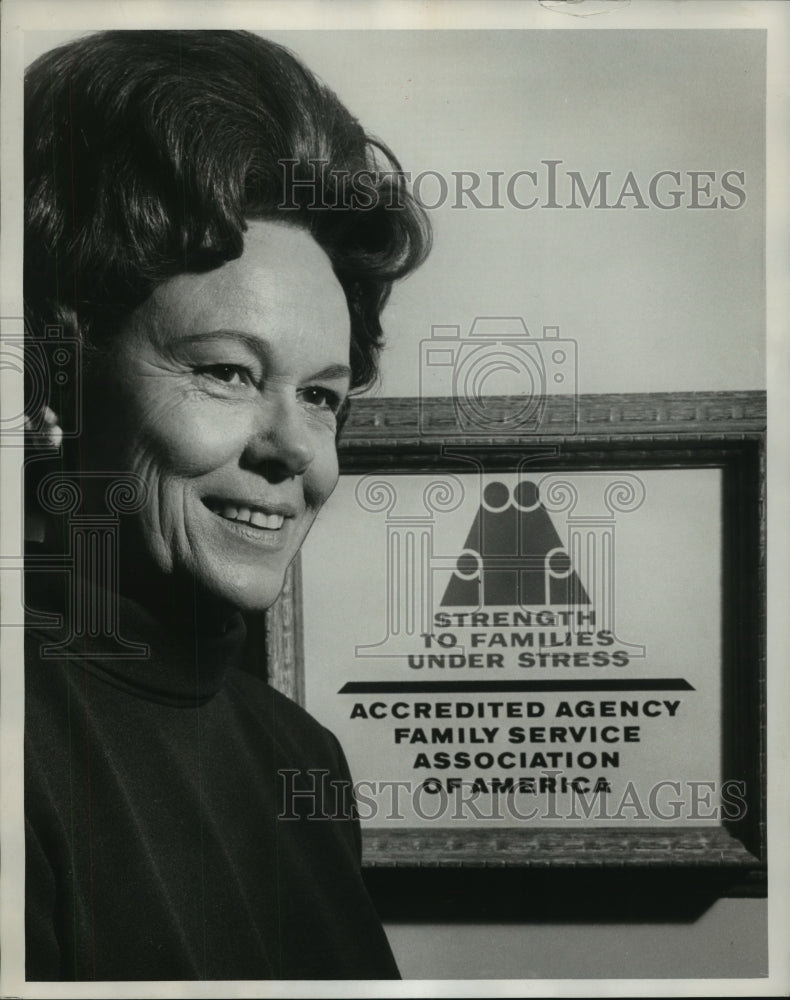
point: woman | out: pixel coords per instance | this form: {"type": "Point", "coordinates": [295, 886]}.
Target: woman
{"type": "Point", "coordinates": [218, 236]}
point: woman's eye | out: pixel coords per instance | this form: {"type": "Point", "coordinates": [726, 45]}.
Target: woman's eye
{"type": "Point", "coordinates": [325, 399]}
{"type": "Point", "coordinates": [232, 375]}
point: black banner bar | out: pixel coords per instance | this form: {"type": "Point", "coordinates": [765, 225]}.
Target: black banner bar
{"type": "Point", "coordinates": [500, 687]}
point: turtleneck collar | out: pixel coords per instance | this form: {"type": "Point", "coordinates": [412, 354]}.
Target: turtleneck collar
{"type": "Point", "coordinates": [141, 653]}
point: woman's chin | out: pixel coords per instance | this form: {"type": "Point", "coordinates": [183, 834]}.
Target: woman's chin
{"type": "Point", "coordinates": [250, 594]}
{"type": "Point", "coordinates": [212, 592]}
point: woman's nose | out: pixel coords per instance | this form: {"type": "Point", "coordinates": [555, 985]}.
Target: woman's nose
{"type": "Point", "coordinates": [281, 439]}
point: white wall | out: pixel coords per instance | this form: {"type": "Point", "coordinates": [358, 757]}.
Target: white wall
{"type": "Point", "coordinates": [728, 940]}
{"type": "Point", "coordinates": [656, 300]}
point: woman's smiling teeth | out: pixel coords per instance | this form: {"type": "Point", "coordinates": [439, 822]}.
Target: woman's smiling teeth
{"type": "Point", "coordinates": [244, 515]}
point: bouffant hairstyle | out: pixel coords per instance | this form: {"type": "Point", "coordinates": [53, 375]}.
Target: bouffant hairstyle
{"type": "Point", "coordinates": [146, 152]}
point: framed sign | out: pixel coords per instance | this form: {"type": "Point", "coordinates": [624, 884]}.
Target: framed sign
{"type": "Point", "coordinates": [542, 649]}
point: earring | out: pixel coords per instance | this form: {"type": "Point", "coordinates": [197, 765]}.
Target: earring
{"type": "Point", "coordinates": [46, 433]}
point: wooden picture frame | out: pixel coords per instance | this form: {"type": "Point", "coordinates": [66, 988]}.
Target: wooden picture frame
{"type": "Point", "coordinates": [624, 433]}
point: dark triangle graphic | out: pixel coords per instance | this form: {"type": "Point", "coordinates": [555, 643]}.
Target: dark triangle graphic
{"type": "Point", "coordinates": [462, 592]}
{"type": "Point", "coordinates": [507, 554]}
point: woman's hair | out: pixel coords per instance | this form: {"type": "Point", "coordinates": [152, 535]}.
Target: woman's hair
{"type": "Point", "coordinates": [147, 151]}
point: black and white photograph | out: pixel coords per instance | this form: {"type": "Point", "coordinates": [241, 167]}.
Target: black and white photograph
{"type": "Point", "coordinates": [395, 498]}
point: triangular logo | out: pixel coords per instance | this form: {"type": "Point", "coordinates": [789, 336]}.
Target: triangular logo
{"type": "Point", "coordinates": [513, 555]}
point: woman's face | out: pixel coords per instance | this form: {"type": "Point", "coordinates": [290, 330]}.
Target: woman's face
{"type": "Point", "coordinates": [224, 387]}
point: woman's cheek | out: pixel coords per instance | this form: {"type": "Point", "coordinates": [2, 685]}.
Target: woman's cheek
{"type": "Point", "coordinates": [323, 475]}
{"type": "Point", "coordinates": [194, 439]}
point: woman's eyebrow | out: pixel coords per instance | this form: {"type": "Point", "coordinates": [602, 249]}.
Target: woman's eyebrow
{"type": "Point", "coordinates": [258, 345]}
{"type": "Point", "coordinates": [333, 372]}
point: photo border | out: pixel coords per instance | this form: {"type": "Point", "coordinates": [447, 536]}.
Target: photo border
{"type": "Point", "coordinates": [23, 15]}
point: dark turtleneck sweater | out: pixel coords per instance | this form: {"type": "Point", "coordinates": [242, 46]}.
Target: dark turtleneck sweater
{"type": "Point", "coordinates": [156, 840]}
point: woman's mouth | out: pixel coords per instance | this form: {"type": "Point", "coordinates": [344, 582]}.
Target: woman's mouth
{"type": "Point", "coordinates": [267, 524]}
{"type": "Point", "coordinates": [248, 515]}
